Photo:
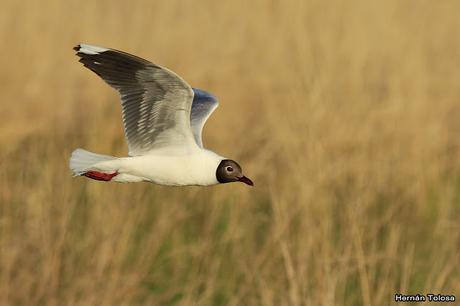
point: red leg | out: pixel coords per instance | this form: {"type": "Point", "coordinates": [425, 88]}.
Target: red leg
{"type": "Point", "coordinates": [100, 176]}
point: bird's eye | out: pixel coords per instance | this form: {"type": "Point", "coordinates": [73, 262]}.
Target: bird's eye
{"type": "Point", "coordinates": [229, 169]}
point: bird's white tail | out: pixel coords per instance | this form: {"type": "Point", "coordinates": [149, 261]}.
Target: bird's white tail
{"type": "Point", "coordinates": [81, 160]}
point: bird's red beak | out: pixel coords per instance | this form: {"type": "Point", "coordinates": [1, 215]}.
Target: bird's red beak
{"type": "Point", "coordinates": [246, 180]}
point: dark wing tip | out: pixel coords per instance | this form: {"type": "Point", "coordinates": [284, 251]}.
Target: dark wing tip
{"type": "Point", "coordinates": [77, 47]}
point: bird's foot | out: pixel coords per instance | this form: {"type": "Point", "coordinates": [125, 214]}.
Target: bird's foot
{"type": "Point", "coordinates": [100, 176]}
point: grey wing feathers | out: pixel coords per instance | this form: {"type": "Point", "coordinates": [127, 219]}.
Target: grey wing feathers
{"type": "Point", "coordinates": [203, 105]}
{"type": "Point", "coordinates": [156, 103]}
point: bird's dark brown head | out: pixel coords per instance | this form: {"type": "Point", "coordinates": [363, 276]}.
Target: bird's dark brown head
{"type": "Point", "coordinates": [229, 171]}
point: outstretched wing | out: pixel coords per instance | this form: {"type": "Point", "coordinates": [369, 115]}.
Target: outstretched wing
{"type": "Point", "coordinates": [203, 105]}
{"type": "Point", "coordinates": [156, 102]}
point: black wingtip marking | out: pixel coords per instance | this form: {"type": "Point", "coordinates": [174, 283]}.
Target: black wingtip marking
{"type": "Point", "coordinates": [77, 47]}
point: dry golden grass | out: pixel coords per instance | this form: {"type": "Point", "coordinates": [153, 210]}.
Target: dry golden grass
{"type": "Point", "coordinates": [345, 113]}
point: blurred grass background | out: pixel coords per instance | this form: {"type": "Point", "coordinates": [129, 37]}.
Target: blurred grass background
{"type": "Point", "coordinates": [345, 114]}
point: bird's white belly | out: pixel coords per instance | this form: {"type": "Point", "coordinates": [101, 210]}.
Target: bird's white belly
{"type": "Point", "coordinates": [195, 169]}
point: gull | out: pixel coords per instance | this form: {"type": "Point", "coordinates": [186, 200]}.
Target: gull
{"type": "Point", "coordinates": [163, 119]}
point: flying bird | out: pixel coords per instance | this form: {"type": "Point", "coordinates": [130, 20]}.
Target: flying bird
{"type": "Point", "coordinates": [163, 119]}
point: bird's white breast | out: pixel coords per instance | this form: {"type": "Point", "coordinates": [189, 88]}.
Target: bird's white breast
{"type": "Point", "coordinates": [197, 167]}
